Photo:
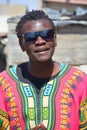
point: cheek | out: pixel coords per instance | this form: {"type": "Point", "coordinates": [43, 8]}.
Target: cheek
{"type": "Point", "coordinates": [29, 49]}
{"type": "Point", "coordinates": [52, 47]}
{"type": "Point", "coordinates": [53, 44]}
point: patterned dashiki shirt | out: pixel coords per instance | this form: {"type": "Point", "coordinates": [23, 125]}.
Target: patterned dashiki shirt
{"type": "Point", "coordinates": [60, 102]}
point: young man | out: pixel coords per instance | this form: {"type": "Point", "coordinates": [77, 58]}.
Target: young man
{"type": "Point", "coordinates": [41, 93]}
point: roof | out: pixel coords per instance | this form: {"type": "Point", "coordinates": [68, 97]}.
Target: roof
{"type": "Point", "coordinates": [82, 2]}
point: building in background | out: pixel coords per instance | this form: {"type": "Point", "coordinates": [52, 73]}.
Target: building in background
{"type": "Point", "coordinates": [70, 5]}
{"type": "Point", "coordinates": [70, 18]}
{"type": "Point", "coordinates": [7, 11]}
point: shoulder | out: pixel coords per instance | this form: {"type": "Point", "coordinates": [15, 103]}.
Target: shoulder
{"type": "Point", "coordinates": [79, 77]}
{"type": "Point", "coordinates": [7, 76]}
{"type": "Point", "coordinates": [75, 75]}
{"type": "Point", "coordinates": [75, 70]}
{"type": "Point", "coordinates": [76, 82]}
{"type": "Point", "coordinates": [78, 71]}
{"type": "Point", "coordinates": [3, 74]}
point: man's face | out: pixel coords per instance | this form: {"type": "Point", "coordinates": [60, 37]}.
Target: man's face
{"type": "Point", "coordinates": [38, 40]}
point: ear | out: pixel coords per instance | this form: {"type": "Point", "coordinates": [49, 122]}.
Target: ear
{"type": "Point", "coordinates": [55, 40]}
{"type": "Point", "coordinates": [21, 43]}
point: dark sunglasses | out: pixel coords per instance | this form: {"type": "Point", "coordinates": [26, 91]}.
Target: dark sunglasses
{"type": "Point", "coordinates": [31, 37]}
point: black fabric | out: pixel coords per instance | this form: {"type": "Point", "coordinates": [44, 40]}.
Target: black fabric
{"type": "Point", "coordinates": [25, 76]}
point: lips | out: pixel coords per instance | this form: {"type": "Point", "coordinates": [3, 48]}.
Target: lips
{"type": "Point", "coordinates": [41, 50]}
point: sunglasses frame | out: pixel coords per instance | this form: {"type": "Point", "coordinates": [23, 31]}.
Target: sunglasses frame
{"type": "Point", "coordinates": [31, 37]}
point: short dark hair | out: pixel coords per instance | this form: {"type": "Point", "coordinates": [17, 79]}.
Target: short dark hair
{"type": "Point", "coordinates": [33, 15]}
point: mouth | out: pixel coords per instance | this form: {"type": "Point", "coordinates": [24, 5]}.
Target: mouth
{"type": "Point", "coordinates": [41, 50]}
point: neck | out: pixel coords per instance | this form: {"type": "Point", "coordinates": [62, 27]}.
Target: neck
{"type": "Point", "coordinates": [42, 70]}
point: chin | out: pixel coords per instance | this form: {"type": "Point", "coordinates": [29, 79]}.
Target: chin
{"type": "Point", "coordinates": [44, 60]}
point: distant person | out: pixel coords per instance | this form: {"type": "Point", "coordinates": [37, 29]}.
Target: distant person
{"type": "Point", "coordinates": [2, 57]}
{"type": "Point", "coordinates": [42, 94]}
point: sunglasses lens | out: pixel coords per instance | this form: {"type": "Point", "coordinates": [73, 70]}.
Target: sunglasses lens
{"type": "Point", "coordinates": [30, 37]}
{"type": "Point", "coordinates": [47, 34]}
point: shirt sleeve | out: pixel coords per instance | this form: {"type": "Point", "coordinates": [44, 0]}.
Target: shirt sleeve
{"type": "Point", "coordinates": [4, 117]}
{"type": "Point", "coordinates": [83, 107]}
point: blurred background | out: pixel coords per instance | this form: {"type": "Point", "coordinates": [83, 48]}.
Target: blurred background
{"type": "Point", "coordinates": [70, 18]}
{"type": "Point", "coordinates": [31, 4]}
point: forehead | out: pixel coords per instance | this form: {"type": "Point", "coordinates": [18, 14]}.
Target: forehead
{"type": "Point", "coordinates": [36, 25]}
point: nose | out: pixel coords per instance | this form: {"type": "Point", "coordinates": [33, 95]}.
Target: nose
{"type": "Point", "coordinates": [40, 41]}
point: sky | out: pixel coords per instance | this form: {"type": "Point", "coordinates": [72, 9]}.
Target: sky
{"type": "Point", "coordinates": [31, 4]}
